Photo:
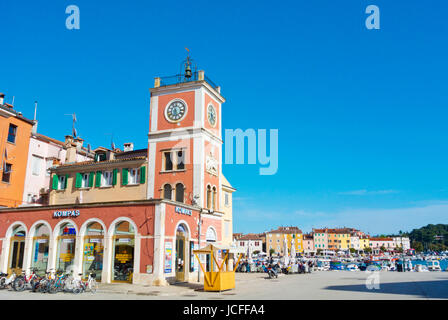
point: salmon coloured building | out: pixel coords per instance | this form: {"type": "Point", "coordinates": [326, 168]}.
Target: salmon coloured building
{"type": "Point", "coordinates": [135, 216]}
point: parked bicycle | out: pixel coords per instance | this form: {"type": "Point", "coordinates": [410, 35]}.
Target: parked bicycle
{"type": "Point", "coordinates": [6, 281]}
{"type": "Point", "coordinates": [23, 281]}
{"type": "Point", "coordinates": [90, 284]}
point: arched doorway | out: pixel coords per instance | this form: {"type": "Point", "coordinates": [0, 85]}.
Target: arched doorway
{"type": "Point", "coordinates": [41, 244]}
{"type": "Point", "coordinates": [123, 252]}
{"type": "Point", "coordinates": [181, 261]}
{"type": "Point", "coordinates": [66, 242]}
{"type": "Point", "coordinates": [93, 250]}
{"type": "Point", "coordinates": [16, 250]}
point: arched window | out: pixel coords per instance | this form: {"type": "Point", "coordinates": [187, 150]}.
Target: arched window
{"type": "Point", "coordinates": [167, 190]}
{"type": "Point", "coordinates": [209, 197]}
{"type": "Point", "coordinates": [180, 192]}
{"type": "Point", "coordinates": [214, 198]}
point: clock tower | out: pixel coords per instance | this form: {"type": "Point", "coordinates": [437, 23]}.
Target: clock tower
{"type": "Point", "coordinates": [185, 140]}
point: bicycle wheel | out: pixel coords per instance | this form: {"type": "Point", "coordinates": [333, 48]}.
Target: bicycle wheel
{"type": "Point", "coordinates": [19, 284]}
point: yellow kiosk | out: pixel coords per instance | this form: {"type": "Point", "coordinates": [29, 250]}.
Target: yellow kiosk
{"type": "Point", "coordinates": [224, 278]}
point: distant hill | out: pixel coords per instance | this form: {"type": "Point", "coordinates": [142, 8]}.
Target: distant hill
{"type": "Point", "coordinates": [431, 237]}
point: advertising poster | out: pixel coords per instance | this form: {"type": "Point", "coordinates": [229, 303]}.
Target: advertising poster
{"type": "Point", "coordinates": [168, 256]}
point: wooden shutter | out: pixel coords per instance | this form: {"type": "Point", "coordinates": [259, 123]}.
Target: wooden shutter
{"type": "Point", "coordinates": [55, 182]}
{"type": "Point", "coordinates": [78, 181]}
{"type": "Point", "coordinates": [142, 174]}
{"type": "Point", "coordinates": [125, 176]}
{"type": "Point", "coordinates": [114, 177]}
{"type": "Point", "coordinates": [98, 179]}
{"type": "Point", "coordinates": [91, 177]}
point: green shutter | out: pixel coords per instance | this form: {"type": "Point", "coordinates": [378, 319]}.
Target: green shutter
{"type": "Point", "coordinates": [55, 182]}
{"type": "Point", "coordinates": [66, 181]}
{"type": "Point", "coordinates": [142, 174]}
{"type": "Point", "coordinates": [78, 180]}
{"type": "Point", "coordinates": [114, 177]}
{"type": "Point", "coordinates": [125, 176]}
{"type": "Point", "coordinates": [91, 177]}
{"type": "Point", "coordinates": [98, 179]}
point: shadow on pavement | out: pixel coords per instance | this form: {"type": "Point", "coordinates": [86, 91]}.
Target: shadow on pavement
{"type": "Point", "coordinates": [426, 289]}
{"type": "Point", "coordinates": [194, 286]}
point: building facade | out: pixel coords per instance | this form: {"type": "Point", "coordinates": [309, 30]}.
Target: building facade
{"type": "Point", "coordinates": [15, 131]}
{"type": "Point", "coordinates": [45, 153]}
{"type": "Point", "coordinates": [275, 240]}
{"type": "Point", "coordinates": [136, 215]}
{"type": "Point", "coordinates": [248, 243]}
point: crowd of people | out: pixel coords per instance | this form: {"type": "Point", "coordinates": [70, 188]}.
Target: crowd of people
{"type": "Point", "coordinates": [291, 266]}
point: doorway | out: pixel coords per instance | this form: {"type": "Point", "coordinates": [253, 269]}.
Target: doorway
{"type": "Point", "coordinates": [181, 240]}
{"type": "Point", "coordinates": [16, 251]}
{"type": "Point", "coordinates": [93, 250]}
{"type": "Point", "coordinates": [123, 254]}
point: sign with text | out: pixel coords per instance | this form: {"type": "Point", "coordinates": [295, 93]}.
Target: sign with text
{"type": "Point", "coordinates": [180, 210]}
{"type": "Point", "coordinates": [66, 214]}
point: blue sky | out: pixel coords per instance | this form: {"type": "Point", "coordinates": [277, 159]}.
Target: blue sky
{"type": "Point", "coordinates": [361, 114]}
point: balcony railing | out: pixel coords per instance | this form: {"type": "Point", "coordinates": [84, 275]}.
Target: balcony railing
{"type": "Point", "coordinates": [180, 78]}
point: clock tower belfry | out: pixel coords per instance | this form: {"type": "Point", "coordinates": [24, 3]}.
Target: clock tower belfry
{"type": "Point", "coordinates": [185, 140]}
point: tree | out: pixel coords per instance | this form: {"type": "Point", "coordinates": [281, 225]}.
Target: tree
{"type": "Point", "coordinates": [418, 246]}
{"type": "Point", "coordinates": [368, 250]}
{"type": "Point", "coordinates": [271, 251]}
{"type": "Point", "coordinates": [383, 248]}
{"type": "Point", "coordinates": [256, 252]}
{"type": "Point", "coordinates": [352, 250]}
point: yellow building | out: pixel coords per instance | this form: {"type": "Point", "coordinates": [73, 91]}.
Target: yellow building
{"type": "Point", "coordinates": [226, 208]}
{"type": "Point", "coordinates": [275, 240]}
{"type": "Point", "coordinates": [338, 239]}
{"type": "Point", "coordinates": [364, 243]}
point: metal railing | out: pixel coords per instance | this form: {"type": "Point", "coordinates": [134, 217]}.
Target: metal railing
{"type": "Point", "coordinates": [180, 78]}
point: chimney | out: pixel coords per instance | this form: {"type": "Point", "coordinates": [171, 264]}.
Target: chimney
{"type": "Point", "coordinates": [34, 129]}
{"type": "Point", "coordinates": [129, 146]}
{"type": "Point", "coordinates": [70, 156]}
{"type": "Point", "coordinates": [2, 98]}
{"type": "Point", "coordinates": [78, 143]}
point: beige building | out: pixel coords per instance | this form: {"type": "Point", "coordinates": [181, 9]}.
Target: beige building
{"type": "Point", "coordinates": [226, 208]}
{"type": "Point", "coordinates": [275, 240]}
{"type": "Point", "coordinates": [113, 176]}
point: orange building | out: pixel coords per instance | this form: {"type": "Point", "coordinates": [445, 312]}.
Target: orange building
{"type": "Point", "coordinates": [15, 132]}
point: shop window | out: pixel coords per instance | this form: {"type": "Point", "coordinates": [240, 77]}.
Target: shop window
{"type": "Point", "coordinates": [66, 247]}
{"type": "Point", "coordinates": [41, 241]}
{"type": "Point", "coordinates": [123, 252]}
{"type": "Point", "coordinates": [93, 250]}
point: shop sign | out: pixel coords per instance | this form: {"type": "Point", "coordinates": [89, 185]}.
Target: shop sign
{"type": "Point", "coordinates": [168, 256]}
{"type": "Point", "coordinates": [124, 240]}
{"type": "Point", "coordinates": [95, 240]}
{"type": "Point", "coordinates": [42, 240]}
{"type": "Point", "coordinates": [66, 214]}
{"type": "Point", "coordinates": [181, 210]}
{"type": "Point", "coordinates": [68, 240]}
{"type": "Point", "coordinates": [123, 257]}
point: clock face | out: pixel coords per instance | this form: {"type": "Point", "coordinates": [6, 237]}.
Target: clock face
{"type": "Point", "coordinates": [211, 115]}
{"type": "Point", "coordinates": [175, 111]}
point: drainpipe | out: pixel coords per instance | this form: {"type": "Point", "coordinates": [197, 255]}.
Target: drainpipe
{"type": "Point", "coordinates": [199, 241]}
